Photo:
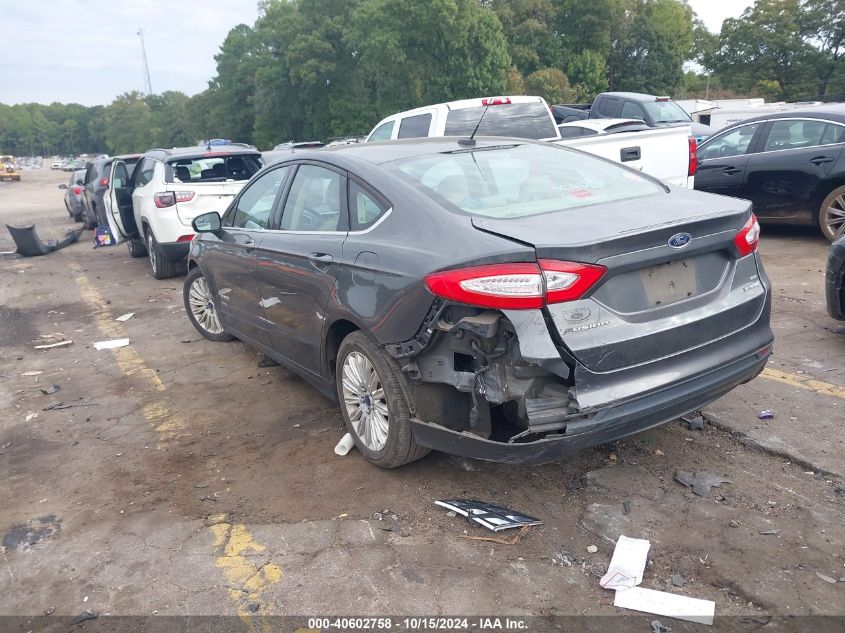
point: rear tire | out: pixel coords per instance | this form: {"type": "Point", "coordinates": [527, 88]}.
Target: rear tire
{"type": "Point", "coordinates": [201, 309]}
{"type": "Point", "coordinates": [136, 248]}
{"type": "Point", "coordinates": [87, 221]}
{"type": "Point", "coordinates": [162, 268]}
{"type": "Point", "coordinates": [370, 393]}
{"type": "Point", "coordinates": [69, 212]}
{"type": "Point", "coordinates": [832, 214]}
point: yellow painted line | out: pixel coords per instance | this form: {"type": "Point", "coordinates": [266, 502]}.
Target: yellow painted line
{"type": "Point", "coordinates": [233, 543]}
{"type": "Point", "coordinates": [804, 382]}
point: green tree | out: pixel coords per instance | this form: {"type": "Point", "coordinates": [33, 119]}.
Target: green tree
{"type": "Point", "coordinates": [551, 84]}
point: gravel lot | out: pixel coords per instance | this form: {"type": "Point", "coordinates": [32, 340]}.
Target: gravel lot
{"type": "Point", "coordinates": [184, 479]}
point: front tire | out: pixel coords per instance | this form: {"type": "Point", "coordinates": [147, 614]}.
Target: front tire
{"type": "Point", "coordinates": [201, 309]}
{"type": "Point", "coordinates": [136, 248]}
{"type": "Point", "coordinates": [162, 267]}
{"type": "Point", "coordinates": [832, 214]}
{"type": "Point", "coordinates": [373, 403]}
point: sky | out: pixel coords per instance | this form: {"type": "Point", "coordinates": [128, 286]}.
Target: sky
{"type": "Point", "coordinates": [88, 51]}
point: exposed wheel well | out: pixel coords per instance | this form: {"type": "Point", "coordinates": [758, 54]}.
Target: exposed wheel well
{"type": "Point", "coordinates": [192, 264]}
{"type": "Point", "coordinates": [338, 331]}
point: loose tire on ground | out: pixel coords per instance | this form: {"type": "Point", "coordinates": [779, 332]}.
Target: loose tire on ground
{"type": "Point", "coordinates": [400, 447]}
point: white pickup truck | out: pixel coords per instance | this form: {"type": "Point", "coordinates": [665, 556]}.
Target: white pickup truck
{"type": "Point", "coordinates": [665, 153]}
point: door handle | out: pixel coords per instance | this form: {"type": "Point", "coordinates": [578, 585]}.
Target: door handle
{"type": "Point", "coordinates": [730, 171]}
{"type": "Point", "coordinates": [820, 160]}
{"type": "Point", "coordinates": [321, 258]}
{"type": "Point", "coordinates": [248, 242]}
{"type": "Point", "coordinates": [629, 153]}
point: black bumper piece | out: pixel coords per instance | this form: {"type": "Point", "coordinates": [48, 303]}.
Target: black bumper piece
{"type": "Point", "coordinates": [617, 421]}
{"type": "Point", "coordinates": [175, 251]}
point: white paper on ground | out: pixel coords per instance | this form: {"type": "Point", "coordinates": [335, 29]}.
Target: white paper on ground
{"type": "Point", "coordinates": [668, 604]}
{"type": "Point", "coordinates": [125, 317]}
{"type": "Point", "coordinates": [115, 342]}
{"type": "Point", "coordinates": [627, 565]}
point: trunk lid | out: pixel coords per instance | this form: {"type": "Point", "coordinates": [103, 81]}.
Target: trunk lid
{"type": "Point", "coordinates": [208, 196]}
{"type": "Point", "coordinates": [655, 300]}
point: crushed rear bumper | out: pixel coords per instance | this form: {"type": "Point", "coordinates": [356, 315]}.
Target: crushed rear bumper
{"type": "Point", "coordinates": [606, 424]}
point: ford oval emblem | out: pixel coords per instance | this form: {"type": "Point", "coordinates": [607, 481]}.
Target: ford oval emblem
{"type": "Point", "coordinates": [679, 240]}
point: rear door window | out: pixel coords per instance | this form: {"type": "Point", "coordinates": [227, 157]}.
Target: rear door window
{"type": "Point", "coordinates": [609, 107]}
{"type": "Point", "coordinates": [314, 202]}
{"type": "Point", "coordinates": [520, 120]}
{"type": "Point", "coordinates": [365, 207]}
{"type": "Point", "coordinates": [145, 175]}
{"type": "Point", "coordinates": [574, 131]}
{"type": "Point", "coordinates": [632, 110]}
{"type": "Point", "coordinates": [833, 133]}
{"type": "Point", "coordinates": [794, 135]}
{"type": "Point", "coordinates": [415, 126]}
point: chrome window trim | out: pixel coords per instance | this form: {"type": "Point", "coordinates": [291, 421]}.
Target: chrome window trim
{"type": "Point", "coordinates": [282, 232]}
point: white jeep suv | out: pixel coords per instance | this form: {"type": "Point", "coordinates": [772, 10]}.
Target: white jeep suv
{"type": "Point", "coordinates": [152, 208]}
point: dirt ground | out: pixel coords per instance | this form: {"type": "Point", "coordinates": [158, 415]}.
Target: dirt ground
{"type": "Point", "coordinates": [177, 477]}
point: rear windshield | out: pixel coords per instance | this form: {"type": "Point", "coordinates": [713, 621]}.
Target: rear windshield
{"type": "Point", "coordinates": [521, 180]}
{"type": "Point", "coordinates": [518, 120]}
{"type": "Point", "coordinates": [217, 168]}
{"type": "Point", "coordinates": [666, 112]}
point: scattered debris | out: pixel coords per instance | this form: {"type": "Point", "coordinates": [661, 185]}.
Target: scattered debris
{"type": "Point", "coordinates": [266, 361]}
{"type": "Point", "coordinates": [656, 627]}
{"type": "Point", "coordinates": [32, 373]}
{"type": "Point", "coordinates": [626, 506]}
{"type": "Point", "coordinates": [659, 453]}
{"type": "Point", "coordinates": [667, 604]}
{"type": "Point", "coordinates": [111, 344]}
{"type": "Point", "coordinates": [200, 485]}
{"type": "Point", "coordinates": [678, 580]}
{"type": "Point", "coordinates": [30, 416]}
{"type": "Point", "coordinates": [734, 523]}
{"type": "Point", "coordinates": [344, 445]}
{"type": "Point", "coordinates": [768, 532]}
{"type": "Point", "coordinates": [627, 565]}
{"type": "Point", "coordinates": [489, 515]}
{"type": "Point", "coordinates": [125, 317]}
{"type": "Point", "coordinates": [494, 539]}
{"type": "Point", "coordinates": [253, 607]}
{"type": "Point", "coordinates": [30, 245]}
{"type": "Point", "coordinates": [50, 390]}
{"type": "Point", "coordinates": [58, 406]}
{"type": "Point", "coordinates": [700, 481]}
{"type": "Point", "coordinates": [52, 345]}
{"type": "Point", "coordinates": [693, 422]}
{"type": "Point", "coordinates": [766, 414]}
{"type": "Point", "coordinates": [592, 549]}
{"type": "Point", "coordinates": [832, 581]}
{"type": "Point", "coordinates": [88, 615]}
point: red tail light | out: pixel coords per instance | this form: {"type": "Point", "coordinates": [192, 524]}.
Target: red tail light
{"type": "Point", "coordinates": [491, 101]}
{"type": "Point", "coordinates": [169, 198]}
{"type": "Point", "coordinates": [185, 238]}
{"type": "Point", "coordinates": [77, 190]}
{"type": "Point", "coordinates": [516, 286]}
{"type": "Point", "coordinates": [748, 237]}
{"type": "Point", "coordinates": [104, 182]}
{"type": "Point", "coordinates": [693, 157]}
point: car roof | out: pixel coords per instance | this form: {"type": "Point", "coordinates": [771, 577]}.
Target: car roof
{"type": "Point", "coordinates": [834, 112]}
{"type": "Point", "coordinates": [176, 153]}
{"type": "Point", "coordinates": [388, 151]}
{"type": "Point", "coordinates": [634, 96]}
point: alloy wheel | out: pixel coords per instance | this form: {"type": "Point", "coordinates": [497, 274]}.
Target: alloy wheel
{"type": "Point", "coordinates": [152, 252]}
{"type": "Point", "coordinates": [202, 306]}
{"type": "Point", "coordinates": [834, 216]}
{"type": "Point", "coordinates": [364, 399]}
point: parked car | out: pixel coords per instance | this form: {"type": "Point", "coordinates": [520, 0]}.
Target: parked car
{"type": "Point", "coordinates": [789, 164]}
{"type": "Point", "coordinates": [514, 116]}
{"type": "Point", "coordinates": [56, 165]}
{"type": "Point", "coordinates": [500, 299]}
{"type": "Point", "coordinates": [73, 195]}
{"type": "Point", "coordinates": [835, 279]}
{"type": "Point", "coordinates": [653, 110]}
{"type": "Point", "coordinates": [668, 153]}
{"type": "Point", "coordinates": [152, 207]}
{"type": "Point", "coordinates": [97, 183]}
{"type": "Point", "coordinates": [292, 145]}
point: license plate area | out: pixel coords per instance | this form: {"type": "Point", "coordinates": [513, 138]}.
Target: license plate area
{"type": "Point", "coordinates": [669, 283]}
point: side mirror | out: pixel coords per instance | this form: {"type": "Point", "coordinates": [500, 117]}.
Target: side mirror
{"type": "Point", "coordinates": [207, 223]}
{"type": "Point", "coordinates": [63, 186]}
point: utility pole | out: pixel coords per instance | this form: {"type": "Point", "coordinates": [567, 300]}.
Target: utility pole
{"type": "Point", "coordinates": [147, 83]}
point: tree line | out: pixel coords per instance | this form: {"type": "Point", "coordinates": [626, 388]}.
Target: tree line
{"type": "Point", "coordinates": [320, 69]}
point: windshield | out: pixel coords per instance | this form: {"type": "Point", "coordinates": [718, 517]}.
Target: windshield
{"type": "Point", "coordinates": [666, 112]}
{"type": "Point", "coordinates": [519, 120]}
{"type": "Point", "coordinates": [521, 180]}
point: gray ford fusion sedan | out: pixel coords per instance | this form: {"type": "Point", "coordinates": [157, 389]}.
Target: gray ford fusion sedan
{"type": "Point", "coordinates": [495, 298]}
